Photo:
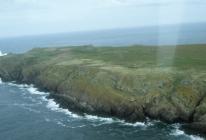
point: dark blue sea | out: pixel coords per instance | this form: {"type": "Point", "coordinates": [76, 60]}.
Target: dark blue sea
{"type": "Point", "coordinates": [28, 114]}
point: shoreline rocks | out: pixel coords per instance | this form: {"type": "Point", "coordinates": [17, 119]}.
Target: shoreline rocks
{"type": "Point", "coordinates": [126, 93]}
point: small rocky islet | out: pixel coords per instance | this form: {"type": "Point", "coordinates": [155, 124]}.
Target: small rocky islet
{"type": "Point", "coordinates": [131, 82]}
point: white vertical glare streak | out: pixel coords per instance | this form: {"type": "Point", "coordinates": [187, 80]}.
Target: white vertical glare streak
{"type": "Point", "coordinates": [166, 54]}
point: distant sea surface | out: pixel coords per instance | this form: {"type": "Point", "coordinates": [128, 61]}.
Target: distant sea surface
{"type": "Point", "coordinates": [155, 35]}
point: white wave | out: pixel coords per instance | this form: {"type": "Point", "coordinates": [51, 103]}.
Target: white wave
{"type": "Point", "coordinates": [34, 90]}
{"type": "Point", "coordinates": [192, 137]}
{"type": "Point", "coordinates": [106, 120]}
{"type": "Point", "coordinates": [43, 98]}
{"type": "Point", "coordinates": [61, 124]}
{"type": "Point", "coordinates": [2, 54]}
{"type": "Point", "coordinates": [12, 84]}
{"type": "Point", "coordinates": [97, 118]}
{"type": "Point", "coordinates": [65, 125]}
{"type": "Point", "coordinates": [80, 126]}
{"type": "Point", "coordinates": [52, 105]}
{"type": "Point", "coordinates": [135, 124]}
{"type": "Point", "coordinates": [21, 86]}
{"type": "Point", "coordinates": [29, 88]}
{"type": "Point", "coordinates": [177, 132]}
{"type": "Point", "coordinates": [1, 82]}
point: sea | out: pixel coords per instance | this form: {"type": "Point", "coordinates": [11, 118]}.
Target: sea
{"type": "Point", "coordinates": [29, 114]}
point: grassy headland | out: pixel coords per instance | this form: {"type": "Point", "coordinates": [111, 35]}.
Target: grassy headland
{"type": "Point", "coordinates": [167, 83]}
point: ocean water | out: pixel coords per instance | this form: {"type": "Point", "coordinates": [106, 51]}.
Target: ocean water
{"type": "Point", "coordinates": [26, 113]}
{"type": "Point", "coordinates": [165, 35]}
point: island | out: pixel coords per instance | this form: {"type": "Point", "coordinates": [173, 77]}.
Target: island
{"type": "Point", "coordinates": [129, 82]}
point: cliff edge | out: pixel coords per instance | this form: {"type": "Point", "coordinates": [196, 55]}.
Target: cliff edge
{"type": "Point", "coordinates": [135, 82]}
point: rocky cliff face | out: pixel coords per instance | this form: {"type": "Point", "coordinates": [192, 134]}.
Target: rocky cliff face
{"type": "Point", "coordinates": [122, 82]}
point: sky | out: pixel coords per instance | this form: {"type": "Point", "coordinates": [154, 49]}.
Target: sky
{"type": "Point", "coordinates": [32, 17]}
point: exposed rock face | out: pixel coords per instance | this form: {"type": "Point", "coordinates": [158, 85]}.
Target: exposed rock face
{"type": "Point", "coordinates": [199, 118]}
{"type": "Point", "coordinates": [91, 82]}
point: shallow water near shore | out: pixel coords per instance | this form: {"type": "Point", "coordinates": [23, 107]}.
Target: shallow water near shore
{"type": "Point", "coordinates": [26, 113]}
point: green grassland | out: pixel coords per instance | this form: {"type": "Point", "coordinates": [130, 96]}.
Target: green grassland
{"type": "Point", "coordinates": [192, 56]}
{"type": "Point", "coordinates": [133, 82]}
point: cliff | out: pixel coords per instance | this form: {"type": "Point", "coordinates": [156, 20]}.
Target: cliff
{"type": "Point", "coordinates": [135, 82]}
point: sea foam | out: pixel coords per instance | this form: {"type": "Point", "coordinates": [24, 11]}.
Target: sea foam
{"type": "Point", "coordinates": [1, 81]}
{"type": "Point", "coordinates": [2, 54]}
{"type": "Point", "coordinates": [52, 105]}
{"type": "Point", "coordinates": [177, 132]}
{"type": "Point", "coordinates": [34, 90]}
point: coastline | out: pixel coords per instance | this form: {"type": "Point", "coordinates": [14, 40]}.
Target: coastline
{"type": "Point", "coordinates": [54, 106]}
{"type": "Point", "coordinates": [127, 106]}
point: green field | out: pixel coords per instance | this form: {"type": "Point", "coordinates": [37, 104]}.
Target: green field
{"type": "Point", "coordinates": [183, 57]}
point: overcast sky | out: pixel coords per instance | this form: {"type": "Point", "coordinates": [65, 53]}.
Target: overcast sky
{"type": "Point", "coordinates": [27, 17]}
